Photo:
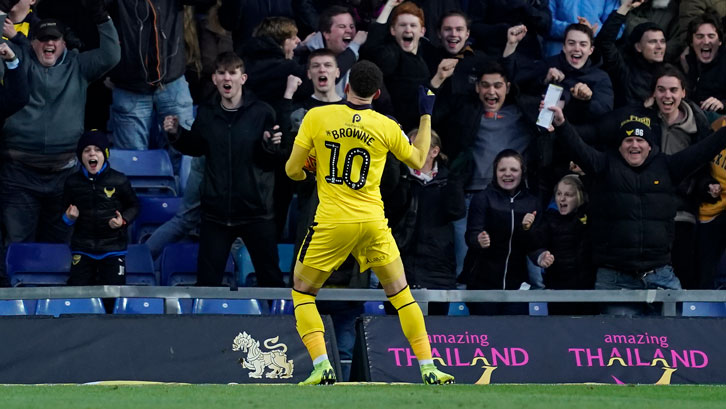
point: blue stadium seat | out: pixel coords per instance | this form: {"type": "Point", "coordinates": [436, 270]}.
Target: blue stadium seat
{"type": "Point", "coordinates": [538, 308]}
{"type": "Point", "coordinates": [374, 308]}
{"type": "Point", "coordinates": [33, 264]}
{"type": "Point", "coordinates": [281, 307]}
{"type": "Point", "coordinates": [227, 306]}
{"type": "Point", "coordinates": [285, 252]}
{"type": "Point", "coordinates": [126, 305]}
{"type": "Point", "coordinates": [58, 306]}
{"type": "Point", "coordinates": [149, 171]}
{"type": "Point", "coordinates": [703, 309]}
{"type": "Point", "coordinates": [153, 212]}
{"type": "Point", "coordinates": [458, 308]}
{"type": "Point", "coordinates": [179, 265]}
{"type": "Point", "coordinates": [17, 307]}
{"type": "Point", "coordinates": [184, 305]}
{"type": "Point", "coordinates": [140, 266]}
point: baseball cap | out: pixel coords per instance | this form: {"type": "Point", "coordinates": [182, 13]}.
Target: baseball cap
{"type": "Point", "coordinates": [47, 28]}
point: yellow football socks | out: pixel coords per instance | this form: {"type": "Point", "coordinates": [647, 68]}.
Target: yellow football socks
{"type": "Point", "coordinates": [412, 323]}
{"type": "Point", "coordinates": [309, 324]}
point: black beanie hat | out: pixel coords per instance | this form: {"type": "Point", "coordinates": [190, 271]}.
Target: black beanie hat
{"type": "Point", "coordinates": [640, 29]}
{"type": "Point", "coordinates": [638, 127]}
{"type": "Point", "coordinates": [93, 137]}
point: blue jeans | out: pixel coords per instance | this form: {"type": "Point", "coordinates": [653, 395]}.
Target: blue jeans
{"type": "Point", "coordinates": [609, 279]}
{"type": "Point", "coordinates": [186, 218]}
{"type": "Point", "coordinates": [132, 114]}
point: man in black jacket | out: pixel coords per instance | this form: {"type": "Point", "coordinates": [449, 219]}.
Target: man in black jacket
{"type": "Point", "coordinates": [631, 70]}
{"type": "Point", "coordinates": [633, 204]}
{"type": "Point", "coordinates": [149, 80]}
{"type": "Point", "coordinates": [588, 92]}
{"type": "Point", "coordinates": [705, 64]}
{"type": "Point", "coordinates": [232, 132]}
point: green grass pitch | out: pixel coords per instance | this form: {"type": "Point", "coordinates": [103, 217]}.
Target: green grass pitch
{"type": "Point", "coordinates": [368, 396]}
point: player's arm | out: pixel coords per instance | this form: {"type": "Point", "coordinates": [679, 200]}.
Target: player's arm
{"type": "Point", "coordinates": [422, 143]}
{"type": "Point", "coordinates": [294, 165]}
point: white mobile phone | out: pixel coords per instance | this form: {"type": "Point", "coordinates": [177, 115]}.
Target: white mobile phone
{"type": "Point", "coordinates": [552, 97]}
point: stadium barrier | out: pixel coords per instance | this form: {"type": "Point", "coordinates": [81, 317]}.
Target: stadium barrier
{"type": "Point", "coordinates": [225, 349]}
{"type": "Point", "coordinates": [668, 298]}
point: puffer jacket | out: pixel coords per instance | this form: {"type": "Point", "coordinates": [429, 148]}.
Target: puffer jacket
{"type": "Point", "coordinates": [503, 265]}
{"type": "Point", "coordinates": [97, 198]}
{"type": "Point", "coordinates": [633, 208]}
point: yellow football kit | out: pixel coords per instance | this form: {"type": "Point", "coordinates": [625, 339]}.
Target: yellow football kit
{"type": "Point", "coordinates": [351, 143]}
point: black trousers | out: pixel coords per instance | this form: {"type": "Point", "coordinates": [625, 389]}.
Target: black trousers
{"type": "Point", "coordinates": [683, 255]}
{"type": "Point", "coordinates": [260, 238]}
{"type": "Point", "coordinates": [106, 271]}
{"type": "Point", "coordinates": [711, 246]}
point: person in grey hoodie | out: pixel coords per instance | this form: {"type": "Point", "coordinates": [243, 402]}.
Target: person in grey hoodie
{"type": "Point", "coordinates": [39, 141]}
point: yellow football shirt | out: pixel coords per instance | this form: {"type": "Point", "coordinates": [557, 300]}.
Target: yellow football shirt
{"type": "Point", "coordinates": [351, 143]}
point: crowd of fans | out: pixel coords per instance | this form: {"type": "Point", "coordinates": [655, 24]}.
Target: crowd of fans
{"type": "Point", "coordinates": [624, 190]}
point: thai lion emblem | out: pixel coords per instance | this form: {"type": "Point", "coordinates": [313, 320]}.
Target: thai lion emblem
{"type": "Point", "coordinates": [258, 361]}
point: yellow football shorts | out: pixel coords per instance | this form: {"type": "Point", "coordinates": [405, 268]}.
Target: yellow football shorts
{"type": "Point", "coordinates": [327, 245]}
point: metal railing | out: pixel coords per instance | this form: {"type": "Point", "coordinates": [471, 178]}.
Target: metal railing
{"type": "Point", "coordinates": [668, 298]}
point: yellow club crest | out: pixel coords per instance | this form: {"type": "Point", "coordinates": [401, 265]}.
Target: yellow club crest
{"type": "Point", "coordinates": [109, 192]}
{"type": "Point", "coordinates": [76, 259]}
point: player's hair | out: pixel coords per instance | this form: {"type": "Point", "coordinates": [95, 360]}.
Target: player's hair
{"type": "Point", "coordinates": [457, 13]}
{"type": "Point", "coordinates": [365, 78]}
{"type": "Point", "coordinates": [325, 22]}
{"type": "Point", "coordinates": [435, 142]}
{"type": "Point", "coordinates": [668, 70]}
{"type": "Point", "coordinates": [322, 52]}
{"type": "Point", "coordinates": [582, 28]}
{"type": "Point", "coordinates": [574, 181]}
{"type": "Point", "coordinates": [229, 61]}
{"type": "Point", "coordinates": [407, 7]}
{"type": "Point", "coordinates": [277, 28]}
{"type": "Point", "coordinates": [508, 153]}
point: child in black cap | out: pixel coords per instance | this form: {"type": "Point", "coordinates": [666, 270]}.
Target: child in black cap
{"type": "Point", "coordinates": [99, 203]}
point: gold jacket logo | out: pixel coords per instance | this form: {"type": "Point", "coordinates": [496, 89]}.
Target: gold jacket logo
{"type": "Point", "coordinates": [258, 361]}
{"type": "Point", "coordinates": [109, 191]}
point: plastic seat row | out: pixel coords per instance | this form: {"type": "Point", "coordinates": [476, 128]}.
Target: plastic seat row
{"type": "Point", "coordinates": [56, 307]}
{"type": "Point", "coordinates": [149, 171]}
{"type": "Point", "coordinates": [39, 264]}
